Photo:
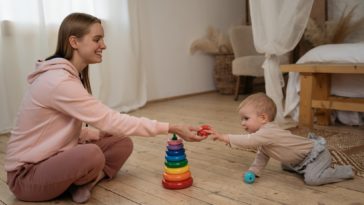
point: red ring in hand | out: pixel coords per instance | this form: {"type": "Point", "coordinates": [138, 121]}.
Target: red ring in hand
{"type": "Point", "coordinates": [202, 131]}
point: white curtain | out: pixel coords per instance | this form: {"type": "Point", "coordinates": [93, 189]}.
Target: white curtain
{"type": "Point", "coordinates": [28, 32]}
{"type": "Point", "coordinates": [277, 27]}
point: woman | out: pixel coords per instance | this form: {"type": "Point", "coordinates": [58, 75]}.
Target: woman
{"type": "Point", "coordinates": [49, 151]}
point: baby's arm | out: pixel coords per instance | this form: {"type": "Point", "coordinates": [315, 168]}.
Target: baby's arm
{"type": "Point", "coordinates": [220, 137]}
{"type": "Point", "coordinates": [259, 163]}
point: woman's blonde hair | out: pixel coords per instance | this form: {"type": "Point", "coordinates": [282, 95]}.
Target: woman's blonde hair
{"type": "Point", "coordinates": [75, 24]}
{"type": "Point", "coordinates": [262, 104]}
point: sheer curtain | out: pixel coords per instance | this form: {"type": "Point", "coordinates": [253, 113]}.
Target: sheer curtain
{"type": "Point", "coordinates": [28, 32]}
{"type": "Point", "coordinates": [277, 27]}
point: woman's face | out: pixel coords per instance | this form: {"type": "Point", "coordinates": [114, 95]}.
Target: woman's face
{"type": "Point", "coordinates": [90, 46]}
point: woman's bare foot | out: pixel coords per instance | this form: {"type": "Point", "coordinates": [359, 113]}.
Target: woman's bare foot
{"type": "Point", "coordinates": [81, 194]}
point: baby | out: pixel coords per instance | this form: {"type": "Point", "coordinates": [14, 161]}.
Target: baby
{"type": "Point", "coordinates": [306, 156]}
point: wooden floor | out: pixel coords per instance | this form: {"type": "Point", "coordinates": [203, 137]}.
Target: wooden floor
{"type": "Point", "coordinates": [216, 169]}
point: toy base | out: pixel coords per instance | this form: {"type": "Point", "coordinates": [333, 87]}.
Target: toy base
{"type": "Point", "coordinates": [177, 185]}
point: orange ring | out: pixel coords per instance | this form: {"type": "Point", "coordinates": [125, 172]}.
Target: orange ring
{"type": "Point", "coordinates": [176, 177]}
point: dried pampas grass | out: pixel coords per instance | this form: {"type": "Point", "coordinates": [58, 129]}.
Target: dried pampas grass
{"type": "Point", "coordinates": [346, 26]}
{"type": "Point", "coordinates": [213, 43]}
{"type": "Point", "coordinates": [332, 31]}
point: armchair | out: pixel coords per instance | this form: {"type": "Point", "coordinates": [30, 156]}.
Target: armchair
{"type": "Point", "coordinates": [247, 62]}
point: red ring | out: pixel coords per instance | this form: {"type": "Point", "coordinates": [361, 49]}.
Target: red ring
{"type": "Point", "coordinates": [177, 185]}
{"type": "Point", "coordinates": [206, 127]}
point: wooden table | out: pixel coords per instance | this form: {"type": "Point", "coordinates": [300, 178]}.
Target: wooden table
{"type": "Point", "coordinates": [315, 91]}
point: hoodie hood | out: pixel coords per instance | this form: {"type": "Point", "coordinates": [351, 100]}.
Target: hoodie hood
{"type": "Point", "coordinates": [52, 64]}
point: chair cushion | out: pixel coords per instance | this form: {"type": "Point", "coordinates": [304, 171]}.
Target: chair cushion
{"type": "Point", "coordinates": [252, 65]}
{"type": "Point", "coordinates": [248, 66]}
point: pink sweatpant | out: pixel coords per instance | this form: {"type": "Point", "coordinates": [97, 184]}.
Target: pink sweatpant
{"type": "Point", "coordinates": [80, 165]}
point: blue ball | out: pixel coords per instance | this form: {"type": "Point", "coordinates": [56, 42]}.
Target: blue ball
{"type": "Point", "coordinates": [249, 177]}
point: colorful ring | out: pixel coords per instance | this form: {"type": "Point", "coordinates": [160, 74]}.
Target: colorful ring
{"type": "Point", "coordinates": [177, 185]}
{"type": "Point", "coordinates": [177, 177]}
{"type": "Point", "coordinates": [175, 158]}
{"type": "Point", "coordinates": [175, 142]}
{"type": "Point", "coordinates": [179, 170]}
{"type": "Point", "coordinates": [175, 147]}
{"type": "Point", "coordinates": [206, 127]}
{"type": "Point", "coordinates": [176, 164]}
{"type": "Point", "coordinates": [175, 152]}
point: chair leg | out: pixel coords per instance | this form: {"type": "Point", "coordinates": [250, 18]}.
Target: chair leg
{"type": "Point", "coordinates": [248, 84]}
{"type": "Point", "coordinates": [237, 88]}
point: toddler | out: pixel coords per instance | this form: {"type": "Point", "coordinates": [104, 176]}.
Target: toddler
{"type": "Point", "coordinates": [306, 156]}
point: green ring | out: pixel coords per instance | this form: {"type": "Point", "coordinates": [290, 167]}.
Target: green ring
{"type": "Point", "coordinates": [176, 164]}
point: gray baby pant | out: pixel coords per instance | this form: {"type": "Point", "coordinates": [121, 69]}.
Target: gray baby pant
{"type": "Point", "coordinates": [317, 167]}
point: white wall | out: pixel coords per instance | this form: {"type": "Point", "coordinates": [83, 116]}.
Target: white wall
{"type": "Point", "coordinates": [168, 27]}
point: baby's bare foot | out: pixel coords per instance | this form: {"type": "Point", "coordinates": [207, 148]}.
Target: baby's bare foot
{"type": "Point", "coordinates": [81, 194]}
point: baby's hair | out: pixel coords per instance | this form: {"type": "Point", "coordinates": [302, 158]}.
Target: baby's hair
{"type": "Point", "coordinates": [262, 104]}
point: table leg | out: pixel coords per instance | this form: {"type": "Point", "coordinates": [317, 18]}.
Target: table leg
{"type": "Point", "coordinates": [321, 91]}
{"type": "Point", "coordinates": [305, 115]}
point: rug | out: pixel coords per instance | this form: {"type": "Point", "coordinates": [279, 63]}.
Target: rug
{"type": "Point", "coordinates": [346, 147]}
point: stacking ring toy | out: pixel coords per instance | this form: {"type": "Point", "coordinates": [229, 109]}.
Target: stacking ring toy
{"type": "Point", "coordinates": [176, 164]}
{"type": "Point", "coordinates": [179, 170]}
{"type": "Point", "coordinates": [177, 173]}
{"type": "Point", "coordinates": [175, 147]}
{"type": "Point", "coordinates": [175, 158]}
{"type": "Point", "coordinates": [175, 142]}
{"type": "Point", "coordinates": [175, 152]}
{"type": "Point", "coordinates": [177, 185]}
{"type": "Point", "coordinates": [177, 177]}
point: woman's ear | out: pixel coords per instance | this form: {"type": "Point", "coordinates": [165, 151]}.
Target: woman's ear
{"type": "Point", "coordinates": [73, 42]}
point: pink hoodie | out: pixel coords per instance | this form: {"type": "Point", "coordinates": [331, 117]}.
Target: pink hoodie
{"type": "Point", "coordinates": [52, 111]}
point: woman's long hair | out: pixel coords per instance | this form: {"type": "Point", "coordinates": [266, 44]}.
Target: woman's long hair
{"type": "Point", "coordinates": [75, 24]}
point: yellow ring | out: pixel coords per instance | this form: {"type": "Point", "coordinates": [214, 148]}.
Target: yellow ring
{"type": "Point", "coordinates": [179, 170]}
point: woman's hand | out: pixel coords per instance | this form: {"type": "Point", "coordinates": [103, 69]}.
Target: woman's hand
{"type": "Point", "coordinates": [186, 132]}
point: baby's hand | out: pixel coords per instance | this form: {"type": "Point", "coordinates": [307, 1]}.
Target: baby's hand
{"type": "Point", "coordinates": [207, 130]}
{"type": "Point", "coordinates": [220, 137]}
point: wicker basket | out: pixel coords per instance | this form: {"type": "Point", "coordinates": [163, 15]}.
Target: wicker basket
{"type": "Point", "coordinates": [223, 78]}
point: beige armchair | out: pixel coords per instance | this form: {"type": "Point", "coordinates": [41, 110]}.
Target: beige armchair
{"type": "Point", "coordinates": [247, 62]}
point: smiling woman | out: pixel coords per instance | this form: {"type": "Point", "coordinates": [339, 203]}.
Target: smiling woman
{"type": "Point", "coordinates": [49, 151]}
{"type": "Point", "coordinates": [32, 35]}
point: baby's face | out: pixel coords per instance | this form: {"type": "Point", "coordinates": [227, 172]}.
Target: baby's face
{"type": "Point", "coordinates": [250, 119]}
